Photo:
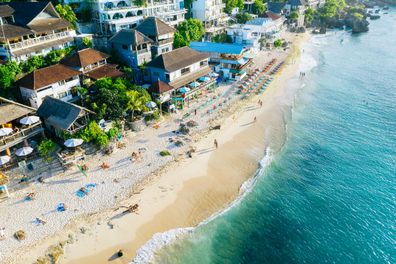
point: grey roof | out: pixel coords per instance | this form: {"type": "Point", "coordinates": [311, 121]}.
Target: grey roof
{"type": "Point", "coordinates": [130, 36]}
{"type": "Point", "coordinates": [177, 59]}
{"type": "Point", "coordinates": [154, 27]}
{"type": "Point", "coordinates": [27, 21]}
{"type": "Point", "coordinates": [60, 114]}
{"type": "Point", "coordinates": [6, 11]}
{"type": "Point", "coordinates": [11, 110]}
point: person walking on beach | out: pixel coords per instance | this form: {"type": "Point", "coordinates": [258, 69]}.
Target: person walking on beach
{"type": "Point", "coordinates": [2, 233]}
{"type": "Point", "coordinates": [255, 119]}
{"type": "Point", "coordinates": [195, 111]}
{"type": "Point", "coordinates": [216, 144]}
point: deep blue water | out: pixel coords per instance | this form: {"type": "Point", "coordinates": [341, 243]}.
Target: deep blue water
{"type": "Point", "coordinates": [330, 195]}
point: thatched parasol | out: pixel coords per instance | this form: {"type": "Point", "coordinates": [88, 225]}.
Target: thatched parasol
{"type": "Point", "coordinates": [3, 179]}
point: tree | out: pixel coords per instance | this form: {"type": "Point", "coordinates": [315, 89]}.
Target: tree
{"type": "Point", "coordinates": [231, 4]}
{"type": "Point", "coordinates": [66, 12]}
{"type": "Point", "coordinates": [87, 42]}
{"type": "Point", "coordinates": [45, 148]}
{"type": "Point", "coordinates": [93, 133]}
{"type": "Point", "coordinates": [258, 7]}
{"type": "Point", "coordinates": [33, 63]}
{"type": "Point", "coordinates": [8, 73]}
{"type": "Point", "coordinates": [189, 30]}
{"type": "Point", "coordinates": [222, 38]}
{"type": "Point", "coordinates": [242, 18]}
{"type": "Point", "coordinates": [358, 16]}
{"type": "Point", "coordinates": [293, 16]}
{"type": "Point", "coordinates": [309, 15]}
{"type": "Point", "coordinates": [134, 102]}
{"type": "Point", "coordinates": [140, 3]}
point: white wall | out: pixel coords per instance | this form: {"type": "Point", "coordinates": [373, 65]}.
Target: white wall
{"type": "Point", "coordinates": [36, 97]}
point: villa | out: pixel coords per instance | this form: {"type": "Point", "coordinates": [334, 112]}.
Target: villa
{"type": "Point", "coordinates": [229, 60]}
{"type": "Point", "coordinates": [58, 81]}
{"type": "Point", "coordinates": [132, 47]}
{"type": "Point", "coordinates": [160, 33]}
{"type": "Point", "coordinates": [92, 64]}
{"type": "Point", "coordinates": [32, 28]}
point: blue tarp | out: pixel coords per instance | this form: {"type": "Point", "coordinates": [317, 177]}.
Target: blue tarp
{"type": "Point", "coordinates": [223, 48]}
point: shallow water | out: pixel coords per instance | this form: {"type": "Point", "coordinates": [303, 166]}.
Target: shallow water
{"type": "Point", "coordinates": [329, 196]}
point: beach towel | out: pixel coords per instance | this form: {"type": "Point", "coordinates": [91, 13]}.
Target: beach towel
{"type": "Point", "coordinates": [88, 188]}
{"type": "Point", "coordinates": [60, 207]}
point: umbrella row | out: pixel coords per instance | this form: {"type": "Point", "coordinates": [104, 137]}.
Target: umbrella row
{"type": "Point", "coordinates": [28, 120]}
{"type": "Point", "coordinates": [21, 152]}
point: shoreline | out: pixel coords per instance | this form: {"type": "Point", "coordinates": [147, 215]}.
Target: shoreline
{"type": "Point", "coordinates": [167, 193]}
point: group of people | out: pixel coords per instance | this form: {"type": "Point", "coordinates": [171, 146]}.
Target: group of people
{"type": "Point", "coordinates": [302, 74]}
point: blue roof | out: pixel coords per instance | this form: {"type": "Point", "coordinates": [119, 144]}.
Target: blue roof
{"type": "Point", "coordinates": [223, 48]}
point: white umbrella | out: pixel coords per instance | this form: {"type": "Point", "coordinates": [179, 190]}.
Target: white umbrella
{"type": "Point", "coordinates": [23, 151]}
{"type": "Point", "coordinates": [151, 104]}
{"type": "Point", "coordinates": [73, 142]}
{"type": "Point", "coordinates": [4, 160]}
{"type": "Point", "coordinates": [5, 131]}
{"type": "Point", "coordinates": [28, 120]}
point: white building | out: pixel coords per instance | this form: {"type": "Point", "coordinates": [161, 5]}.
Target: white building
{"type": "Point", "coordinates": [210, 12]}
{"type": "Point", "coordinates": [58, 81]}
{"type": "Point", "coordinates": [113, 15]}
{"type": "Point", "coordinates": [32, 28]}
{"type": "Point", "coordinates": [251, 32]}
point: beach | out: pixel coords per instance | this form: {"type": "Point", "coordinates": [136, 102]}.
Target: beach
{"type": "Point", "coordinates": [178, 194]}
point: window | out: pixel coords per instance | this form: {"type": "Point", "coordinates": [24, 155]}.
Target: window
{"type": "Point", "coordinates": [125, 47]}
{"type": "Point", "coordinates": [203, 63]}
{"type": "Point", "coordinates": [61, 82]}
{"type": "Point", "coordinates": [61, 95]}
{"type": "Point", "coordinates": [185, 70]}
{"type": "Point", "coordinates": [167, 77]}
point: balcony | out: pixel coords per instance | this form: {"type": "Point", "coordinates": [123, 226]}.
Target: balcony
{"type": "Point", "coordinates": [40, 40]}
{"type": "Point", "coordinates": [18, 137]}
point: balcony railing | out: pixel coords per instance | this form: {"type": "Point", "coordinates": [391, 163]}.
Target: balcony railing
{"type": "Point", "coordinates": [20, 136]}
{"type": "Point", "coordinates": [39, 40]}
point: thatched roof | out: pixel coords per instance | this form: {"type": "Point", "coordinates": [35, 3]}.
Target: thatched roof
{"type": "Point", "coordinates": [85, 57]}
{"type": "Point", "coordinates": [45, 76]}
{"type": "Point", "coordinates": [11, 110]}
{"type": "Point", "coordinates": [60, 114]}
{"type": "Point", "coordinates": [3, 179]}
{"type": "Point", "coordinates": [177, 59]}
{"type": "Point", "coordinates": [6, 11]}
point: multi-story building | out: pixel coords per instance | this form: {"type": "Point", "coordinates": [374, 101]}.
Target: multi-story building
{"type": "Point", "coordinates": [113, 15]}
{"type": "Point", "coordinates": [132, 47]}
{"type": "Point", "coordinates": [160, 33]}
{"type": "Point", "coordinates": [57, 81]}
{"type": "Point", "coordinates": [210, 12]}
{"type": "Point", "coordinates": [32, 28]}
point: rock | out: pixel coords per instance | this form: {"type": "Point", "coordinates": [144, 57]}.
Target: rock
{"type": "Point", "coordinates": [120, 253]}
{"type": "Point", "coordinates": [70, 239]}
{"type": "Point", "coordinates": [83, 230]}
{"type": "Point", "coordinates": [360, 26]}
{"type": "Point", "coordinates": [20, 235]}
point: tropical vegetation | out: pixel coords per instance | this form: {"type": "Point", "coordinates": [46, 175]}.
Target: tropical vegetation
{"type": "Point", "coordinates": [188, 30]}
{"type": "Point", "coordinates": [231, 4]}
{"type": "Point", "coordinates": [66, 12]}
{"type": "Point", "coordinates": [46, 148]}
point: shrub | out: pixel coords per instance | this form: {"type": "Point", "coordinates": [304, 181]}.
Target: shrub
{"type": "Point", "coordinates": [45, 148]}
{"type": "Point", "coordinates": [278, 43]}
{"type": "Point", "coordinates": [164, 153]}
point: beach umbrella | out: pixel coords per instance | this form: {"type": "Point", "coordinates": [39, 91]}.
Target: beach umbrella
{"type": "Point", "coordinates": [184, 89]}
{"type": "Point", "coordinates": [4, 160]}
{"type": "Point", "coordinates": [151, 104]}
{"type": "Point", "coordinates": [204, 79]}
{"type": "Point", "coordinates": [23, 151]}
{"type": "Point", "coordinates": [5, 131]}
{"type": "Point", "coordinates": [194, 84]}
{"type": "Point", "coordinates": [213, 74]}
{"type": "Point", "coordinates": [28, 120]}
{"type": "Point", "coordinates": [73, 142]}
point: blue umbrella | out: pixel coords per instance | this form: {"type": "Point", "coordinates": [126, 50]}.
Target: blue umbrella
{"type": "Point", "coordinates": [184, 89]}
{"type": "Point", "coordinates": [204, 79]}
{"type": "Point", "coordinates": [194, 84]}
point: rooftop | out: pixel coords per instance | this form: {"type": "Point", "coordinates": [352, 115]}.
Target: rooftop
{"type": "Point", "coordinates": [177, 59]}
{"type": "Point", "coordinates": [130, 36]}
{"type": "Point", "coordinates": [108, 70]}
{"type": "Point", "coordinates": [223, 48]}
{"type": "Point", "coordinates": [83, 58]}
{"type": "Point", "coordinates": [160, 87]}
{"type": "Point", "coordinates": [154, 27]}
{"type": "Point", "coordinates": [60, 114]}
{"type": "Point", "coordinates": [12, 110]}
{"type": "Point", "coordinates": [43, 77]}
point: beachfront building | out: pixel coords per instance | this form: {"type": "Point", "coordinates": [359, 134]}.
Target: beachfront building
{"type": "Point", "coordinates": [132, 47]}
{"type": "Point", "coordinates": [113, 15]}
{"type": "Point", "coordinates": [16, 133]}
{"type": "Point", "coordinates": [161, 91]}
{"type": "Point", "coordinates": [32, 28]}
{"type": "Point", "coordinates": [92, 64]}
{"type": "Point", "coordinates": [185, 70]}
{"type": "Point", "coordinates": [57, 81]}
{"type": "Point", "coordinates": [210, 12]}
{"type": "Point", "coordinates": [229, 60]}
{"type": "Point", "coordinates": [160, 33]}
{"type": "Point", "coordinates": [253, 31]}
{"type": "Point", "coordinates": [62, 117]}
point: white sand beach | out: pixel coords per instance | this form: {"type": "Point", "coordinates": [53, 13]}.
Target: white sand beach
{"type": "Point", "coordinates": [172, 192]}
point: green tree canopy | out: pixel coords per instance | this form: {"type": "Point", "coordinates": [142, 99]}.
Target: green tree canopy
{"type": "Point", "coordinates": [309, 15]}
{"type": "Point", "coordinates": [258, 7]}
{"type": "Point", "coordinates": [66, 12]}
{"type": "Point", "coordinates": [231, 4]}
{"type": "Point", "coordinates": [189, 30]}
{"type": "Point", "coordinates": [293, 16]}
{"type": "Point", "coordinates": [222, 38]}
{"type": "Point", "coordinates": [242, 18]}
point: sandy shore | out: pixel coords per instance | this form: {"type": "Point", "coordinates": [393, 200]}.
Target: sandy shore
{"type": "Point", "coordinates": [188, 191]}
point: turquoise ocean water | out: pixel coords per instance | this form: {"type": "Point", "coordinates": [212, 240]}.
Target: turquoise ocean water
{"type": "Point", "coordinates": [329, 196]}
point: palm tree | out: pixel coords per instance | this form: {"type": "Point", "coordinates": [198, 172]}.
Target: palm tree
{"type": "Point", "coordinates": [134, 102]}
